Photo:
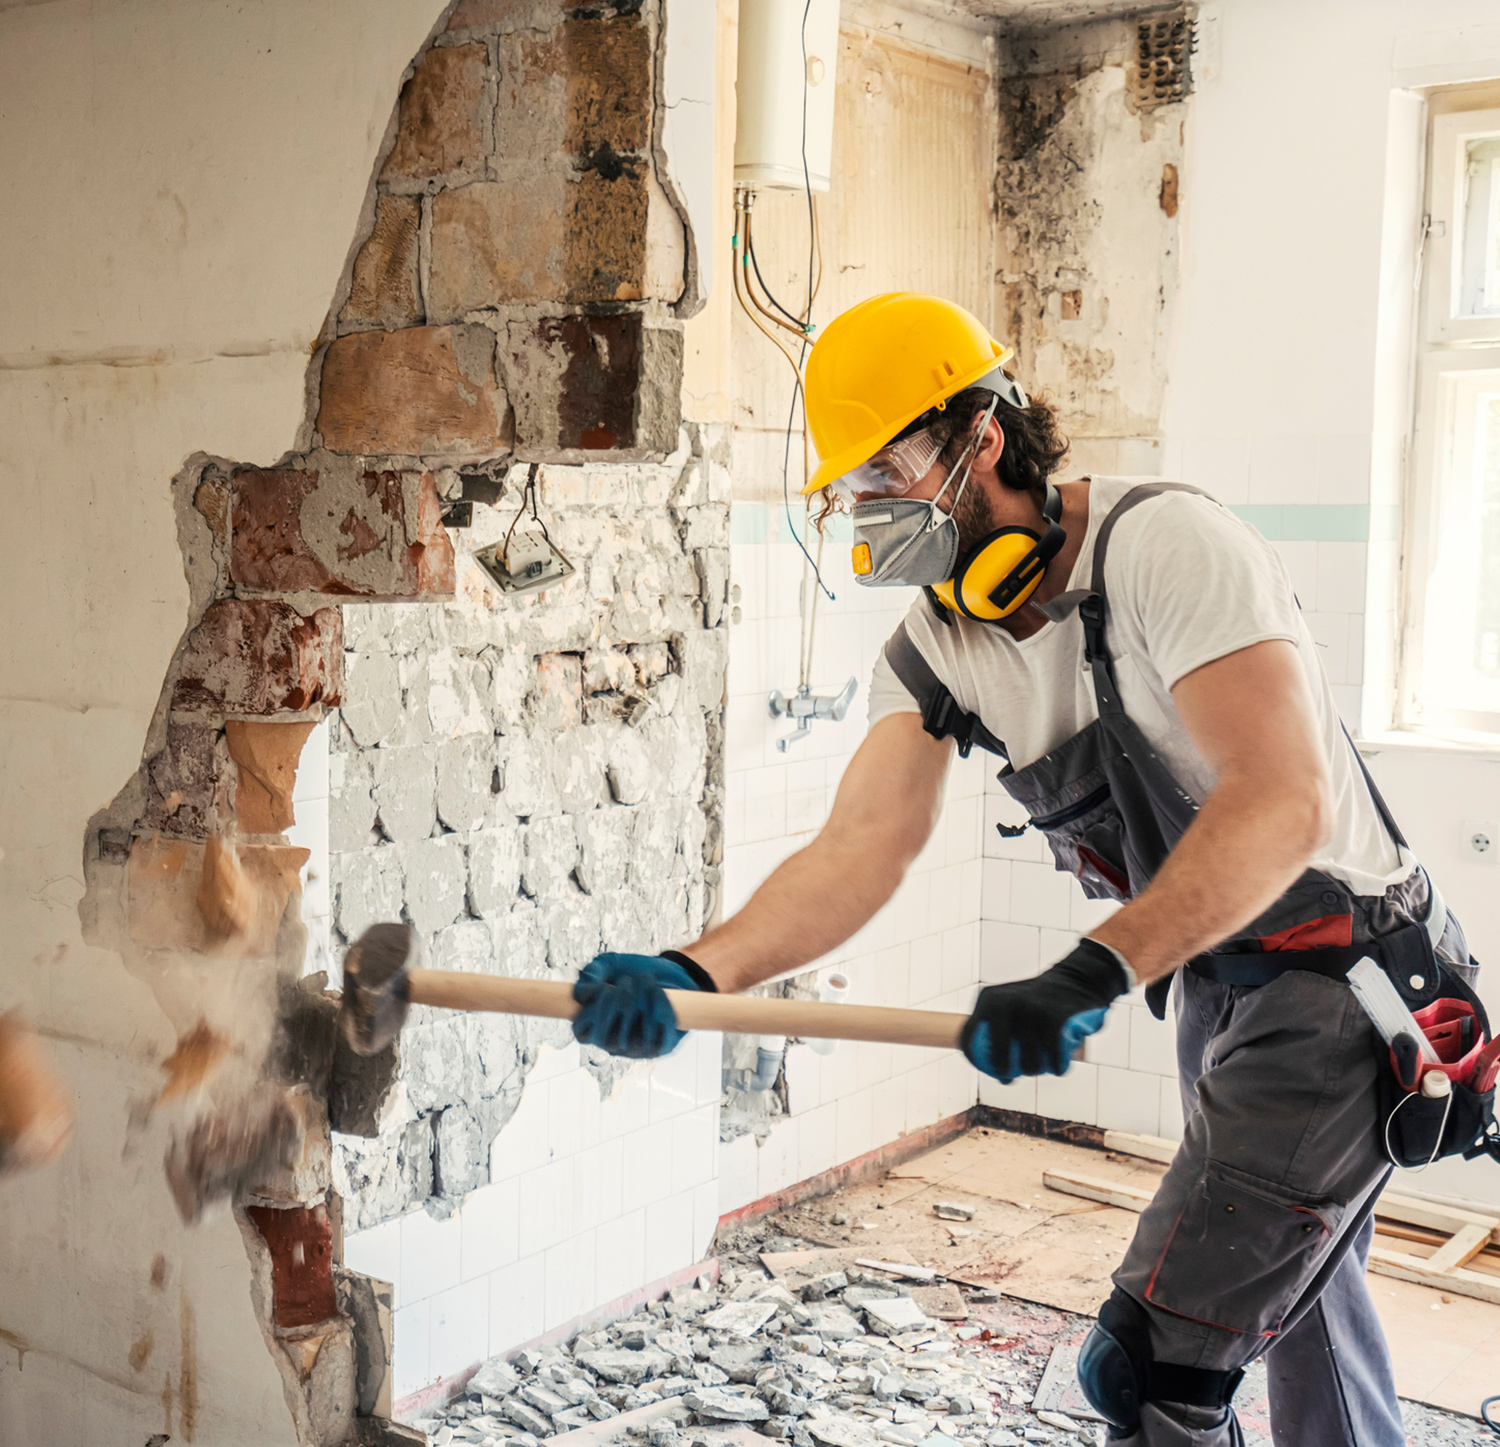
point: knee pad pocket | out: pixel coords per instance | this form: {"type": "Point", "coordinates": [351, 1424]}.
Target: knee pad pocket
{"type": "Point", "coordinates": [1241, 1252]}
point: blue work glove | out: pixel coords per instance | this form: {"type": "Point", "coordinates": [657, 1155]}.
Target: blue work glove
{"type": "Point", "coordinates": [1034, 1027]}
{"type": "Point", "coordinates": [622, 1005]}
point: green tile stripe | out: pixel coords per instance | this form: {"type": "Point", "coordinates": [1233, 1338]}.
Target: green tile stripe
{"type": "Point", "coordinates": [1309, 522]}
{"type": "Point", "coordinates": [1288, 522]}
{"type": "Point", "coordinates": [751, 522]}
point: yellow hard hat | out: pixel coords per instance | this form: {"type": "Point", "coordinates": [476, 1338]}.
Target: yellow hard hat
{"type": "Point", "coordinates": [880, 365]}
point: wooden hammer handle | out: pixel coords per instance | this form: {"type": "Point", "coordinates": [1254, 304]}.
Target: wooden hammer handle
{"type": "Point", "coordinates": [695, 1010]}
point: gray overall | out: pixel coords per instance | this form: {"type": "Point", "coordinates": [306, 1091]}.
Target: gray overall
{"type": "Point", "coordinates": [1256, 1241]}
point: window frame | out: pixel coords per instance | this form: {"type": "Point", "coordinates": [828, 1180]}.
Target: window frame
{"type": "Point", "coordinates": [1448, 348]}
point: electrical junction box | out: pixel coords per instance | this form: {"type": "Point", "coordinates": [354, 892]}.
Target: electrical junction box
{"type": "Point", "coordinates": [784, 90]}
{"type": "Point", "coordinates": [527, 564]}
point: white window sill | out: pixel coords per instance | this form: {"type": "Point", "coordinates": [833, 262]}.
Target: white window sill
{"type": "Point", "coordinates": [1456, 741]}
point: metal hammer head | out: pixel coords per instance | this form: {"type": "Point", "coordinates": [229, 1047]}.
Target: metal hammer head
{"type": "Point", "coordinates": [376, 989]}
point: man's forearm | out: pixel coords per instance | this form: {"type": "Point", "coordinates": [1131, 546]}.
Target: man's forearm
{"type": "Point", "coordinates": [811, 904]}
{"type": "Point", "coordinates": [1241, 852]}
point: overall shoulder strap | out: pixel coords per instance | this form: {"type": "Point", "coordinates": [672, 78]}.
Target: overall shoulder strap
{"type": "Point", "coordinates": [941, 715]}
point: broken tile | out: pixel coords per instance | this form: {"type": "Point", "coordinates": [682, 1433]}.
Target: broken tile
{"type": "Point", "coordinates": [894, 1315]}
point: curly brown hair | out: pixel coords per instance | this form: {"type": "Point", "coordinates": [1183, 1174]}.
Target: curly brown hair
{"type": "Point", "coordinates": [1034, 442]}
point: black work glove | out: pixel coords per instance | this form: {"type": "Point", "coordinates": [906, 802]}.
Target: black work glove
{"type": "Point", "coordinates": [1034, 1027]}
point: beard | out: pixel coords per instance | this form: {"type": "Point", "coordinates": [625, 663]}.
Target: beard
{"type": "Point", "coordinates": [975, 518]}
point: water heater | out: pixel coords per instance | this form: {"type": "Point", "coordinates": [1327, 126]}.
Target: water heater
{"type": "Point", "coordinates": [772, 85]}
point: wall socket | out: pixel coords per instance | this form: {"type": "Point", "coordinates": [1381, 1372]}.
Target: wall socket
{"type": "Point", "coordinates": [1481, 841]}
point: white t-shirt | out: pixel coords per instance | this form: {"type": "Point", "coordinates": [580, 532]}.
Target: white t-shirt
{"type": "Point", "coordinates": [1187, 583]}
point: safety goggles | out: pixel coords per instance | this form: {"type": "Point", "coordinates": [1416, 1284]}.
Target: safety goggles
{"type": "Point", "coordinates": [893, 471]}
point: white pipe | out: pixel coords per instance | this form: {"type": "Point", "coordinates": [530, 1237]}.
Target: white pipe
{"type": "Point", "coordinates": [834, 991]}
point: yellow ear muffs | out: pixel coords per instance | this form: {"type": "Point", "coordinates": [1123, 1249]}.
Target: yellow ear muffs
{"type": "Point", "coordinates": [1005, 569]}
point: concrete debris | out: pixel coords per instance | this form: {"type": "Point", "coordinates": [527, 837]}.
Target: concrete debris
{"type": "Point", "coordinates": [743, 1318]}
{"type": "Point", "coordinates": [952, 1211]}
{"type": "Point", "coordinates": [715, 1360]}
{"type": "Point", "coordinates": [902, 1269]}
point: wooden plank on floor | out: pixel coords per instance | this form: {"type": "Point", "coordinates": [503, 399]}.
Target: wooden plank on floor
{"type": "Point", "coordinates": [1435, 1215]}
{"type": "Point", "coordinates": [1095, 1188]}
{"type": "Point", "coordinates": [1147, 1147]}
{"type": "Point", "coordinates": [1460, 1248]}
{"type": "Point", "coordinates": [1415, 1268]}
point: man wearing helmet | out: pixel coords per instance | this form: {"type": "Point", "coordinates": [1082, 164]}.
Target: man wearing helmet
{"type": "Point", "coordinates": [1136, 656]}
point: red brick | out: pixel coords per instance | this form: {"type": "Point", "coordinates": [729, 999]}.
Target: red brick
{"type": "Point", "coordinates": [418, 391]}
{"type": "Point", "coordinates": [300, 1240]}
{"type": "Point", "coordinates": [358, 533]}
{"type": "Point", "coordinates": [259, 657]}
{"type": "Point", "coordinates": [384, 288]}
{"type": "Point", "coordinates": [441, 126]}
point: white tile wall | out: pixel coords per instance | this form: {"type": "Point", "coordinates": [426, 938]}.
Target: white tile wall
{"type": "Point", "coordinates": [925, 949]}
{"type": "Point", "coordinates": [588, 1200]}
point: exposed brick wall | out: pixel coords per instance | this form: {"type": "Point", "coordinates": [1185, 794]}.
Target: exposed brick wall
{"type": "Point", "coordinates": [523, 256]}
{"type": "Point", "coordinates": [529, 781]}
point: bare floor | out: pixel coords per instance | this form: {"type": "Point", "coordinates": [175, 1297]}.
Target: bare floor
{"type": "Point", "coordinates": [1042, 1246]}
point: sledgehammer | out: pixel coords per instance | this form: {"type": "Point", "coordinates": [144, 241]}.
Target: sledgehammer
{"type": "Point", "coordinates": [381, 983]}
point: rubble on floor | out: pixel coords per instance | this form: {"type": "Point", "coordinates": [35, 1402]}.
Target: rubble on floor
{"type": "Point", "coordinates": [846, 1359]}
{"type": "Point", "coordinates": [816, 1358]}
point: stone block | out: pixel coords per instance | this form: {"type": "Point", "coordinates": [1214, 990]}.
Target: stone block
{"type": "Point", "coordinates": [527, 788]}
{"type": "Point", "coordinates": [508, 15]}
{"type": "Point", "coordinates": [267, 755]}
{"type": "Point", "coordinates": [372, 697]}
{"type": "Point", "coordinates": [705, 657]}
{"type": "Point", "coordinates": [433, 1064]}
{"type": "Point", "coordinates": [405, 791]}
{"type": "Point", "coordinates": [583, 88]}
{"type": "Point", "coordinates": [602, 235]}
{"type": "Point", "coordinates": [603, 849]}
{"type": "Point", "coordinates": [573, 930]}
{"type": "Point", "coordinates": [384, 291]}
{"type": "Point", "coordinates": [413, 392]}
{"type": "Point", "coordinates": [548, 856]}
{"type": "Point", "coordinates": [256, 656]}
{"type": "Point", "coordinates": [187, 783]}
{"type": "Point", "coordinates": [340, 530]}
{"type": "Point", "coordinates": [520, 942]}
{"type": "Point", "coordinates": [588, 384]}
{"type": "Point", "coordinates": [442, 122]}
{"type": "Point", "coordinates": [351, 802]}
{"type": "Point", "coordinates": [371, 887]}
{"type": "Point", "coordinates": [436, 882]}
{"type": "Point", "coordinates": [300, 1240]}
{"type": "Point", "coordinates": [465, 776]}
{"type": "Point", "coordinates": [468, 945]}
{"type": "Point", "coordinates": [576, 759]}
{"type": "Point", "coordinates": [632, 774]}
{"type": "Point", "coordinates": [557, 693]}
{"type": "Point", "coordinates": [607, 670]}
{"type": "Point", "coordinates": [494, 871]}
{"type": "Point", "coordinates": [460, 1158]}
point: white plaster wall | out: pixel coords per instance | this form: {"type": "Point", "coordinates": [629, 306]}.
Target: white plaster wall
{"type": "Point", "coordinates": [185, 182]}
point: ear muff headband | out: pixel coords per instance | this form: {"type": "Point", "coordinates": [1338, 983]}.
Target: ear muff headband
{"type": "Point", "coordinates": [1005, 569]}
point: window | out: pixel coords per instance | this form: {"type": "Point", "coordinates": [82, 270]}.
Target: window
{"type": "Point", "coordinates": [1451, 662]}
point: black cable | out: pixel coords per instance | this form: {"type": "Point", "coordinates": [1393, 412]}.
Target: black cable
{"type": "Point", "coordinates": [786, 460]}
{"type": "Point", "coordinates": [1484, 1412]}
{"type": "Point", "coordinates": [755, 266]}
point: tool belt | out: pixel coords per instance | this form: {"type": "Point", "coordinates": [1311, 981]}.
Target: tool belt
{"type": "Point", "coordinates": [1415, 1128]}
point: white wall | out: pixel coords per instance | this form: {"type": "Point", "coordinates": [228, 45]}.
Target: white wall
{"type": "Point", "coordinates": [184, 180]}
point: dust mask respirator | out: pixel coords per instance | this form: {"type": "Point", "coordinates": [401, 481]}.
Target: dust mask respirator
{"type": "Point", "coordinates": [905, 541]}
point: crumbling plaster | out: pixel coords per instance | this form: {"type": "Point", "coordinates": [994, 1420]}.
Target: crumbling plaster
{"type": "Point", "coordinates": [1087, 188]}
